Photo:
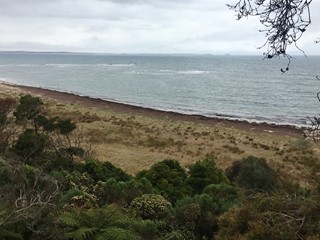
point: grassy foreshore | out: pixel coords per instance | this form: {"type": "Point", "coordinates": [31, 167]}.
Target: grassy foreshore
{"type": "Point", "coordinates": [135, 138]}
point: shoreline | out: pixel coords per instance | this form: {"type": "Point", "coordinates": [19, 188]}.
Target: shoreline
{"type": "Point", "coordinates": [65, 97]}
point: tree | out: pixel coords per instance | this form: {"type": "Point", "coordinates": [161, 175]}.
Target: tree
{"type": "Point", "coordinates": [28, 110]}
{"type": "Point", "coordinates": [58, 138]}
{"type": "Point", "coordinates": [285, 21]}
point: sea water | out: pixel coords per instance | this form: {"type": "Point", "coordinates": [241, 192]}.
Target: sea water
{"type": "Point", "coordinates": [235, 87]}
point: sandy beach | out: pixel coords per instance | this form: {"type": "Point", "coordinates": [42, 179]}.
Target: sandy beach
{"type": "Point", "coordinates": [136, 110]}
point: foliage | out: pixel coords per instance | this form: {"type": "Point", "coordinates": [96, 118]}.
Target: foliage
{"type": "Point", "coordinates": [6, 105]}
{"type": "Point", "coordinates": [50, 195]}
{"type": "Point", "coordinates": [7, 129]}
{"type": "Point", "coordinates": [224, 195]}
{"type": "Point", "coordinates": [77, 191]}
{"type": "Point", "coordinates": [253, 174]}
{"type": "Point", "coordinates": [178, 235]}
{"type": "Point", "coordinates": [199, 213]}
{"type": "Point", "coordinates": [55, 135]}
{"type": "Point", "coordinates": [106, 223]}
{"type": "Point", "coordinates": [9, 235]}
{"type": "Point", "coordinates": [28, 198]}
{"type": "Point", "coordinates": [102, 171]}
{"type": "Point", "coordinates": [169, 178]}
{"type": "Point", "coordinates": [204, 173]}
{"type": "Point", "coordinates": [28, 109]}
{"type": "Point", "coordinates": [285, 215]}
{"type": "Point", "coordinates": [151, 206]}
{"type": "Point", "coordinates": [121, 192]}
{"type": "Point", "coordinates": [30, 144]}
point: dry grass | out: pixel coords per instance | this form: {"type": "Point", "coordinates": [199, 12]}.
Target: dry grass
{"type": "Point", "coordinates": [135, 142]}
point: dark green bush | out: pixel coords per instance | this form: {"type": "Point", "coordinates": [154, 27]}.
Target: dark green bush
{"type": "Point", "coordinates": [28, 109]}
{"type": "Point", "coordinates": [30, 144]}
{"type": "Point", "coordinates": [204, 173]}
{"type": "Point", "coordinates": [200, 213]}
{"type": "Point", "coordinates": [224, 195]}
{"type": "Point", "coordinates": [121, 192]}
{"type": "Point", "coordinates": [252, 173]}
{"type": "Point", "coordinates": [102, 171]}
{"type": "Point", "coordinates": [169, 178]}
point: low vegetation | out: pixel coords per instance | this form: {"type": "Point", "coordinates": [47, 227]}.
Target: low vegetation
{"type": "Point", "coordinates": [51, 187]}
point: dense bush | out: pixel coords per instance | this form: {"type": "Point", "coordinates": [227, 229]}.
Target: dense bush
{"type": "Point", "coordinates": [200, 213]}
{"type": "Point", "coordinates": [151, 206]}
{"type": "Point", "coordinates": [169, 178]}
{"type": "Point", "coordinates": [28, 109]}
{"type": "Point", "coordinates": [121, 192]}
{"type": "Point", "coordinates": [28, 199]}
{"type": "Point", "coordinates": [30, 144]}
{"type": "Point", "coordinates": [284, 215]}
{"type": "Point", "coordinates": [100, 223]}
{"type": "Point", "coordinates": [252, 173]}
{"type": "Point", "coordinates": [102, 171]}
{"type": "Point", "coordinates": [204, 173]}
{"type": "Point", "coordinates": [53, 196]}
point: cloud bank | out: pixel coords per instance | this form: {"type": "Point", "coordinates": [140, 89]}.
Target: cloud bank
{"type": "Point", "coordinates": [135, 26]}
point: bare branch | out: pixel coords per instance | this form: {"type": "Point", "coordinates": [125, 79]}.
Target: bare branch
{"type": "Point", "coordinates": [284, 22]}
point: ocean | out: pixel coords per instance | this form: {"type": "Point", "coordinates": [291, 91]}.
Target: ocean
{"type": "Point", "coordinates": [233, 87]}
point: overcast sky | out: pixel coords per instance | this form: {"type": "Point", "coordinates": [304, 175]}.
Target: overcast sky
{"type": "Point", "coordinates": [135, 26]}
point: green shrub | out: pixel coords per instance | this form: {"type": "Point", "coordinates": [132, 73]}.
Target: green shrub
{"type": "Point", "coordinates": [224, 195]}
{"type": "Point", "coordinates": [121, 192]}
{"type": "Point", "coordinates": [109, 222]}
{"type": "Point", "coordinates": [285, 215]}
{"type": "Point", "coordinates": [169, 178]}
{"type": "Point", "coordinates": [252, 173]}
{"type": "Point", "coordinates": [28, 196]}
{"type": "Point", "coordinates": [102, 171]}
{"type": "Point", "coordinates": [204, 173]}
{"type": "Point", "coordinates": [30, 144]}
{"type": "Point", "coordinates": [151, 206]}
{"type": "Point", "coordinates": [28, 109]}
{"type": "Point", "coordinates": [199, 214]}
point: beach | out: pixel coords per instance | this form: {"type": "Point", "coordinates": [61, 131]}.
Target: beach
{"type": "Point", "coordinates": [289, 130]}
{"type": "Point", "coordinates": [134, 138]}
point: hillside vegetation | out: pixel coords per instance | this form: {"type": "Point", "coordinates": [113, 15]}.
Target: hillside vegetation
{"type": "Point", "coordinates": [208, 182]}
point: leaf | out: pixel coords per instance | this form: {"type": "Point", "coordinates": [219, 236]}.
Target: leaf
{"type": "Point", "coordinates": [115, 233]}
{"type": "Point", "coordinates": [82, 233]}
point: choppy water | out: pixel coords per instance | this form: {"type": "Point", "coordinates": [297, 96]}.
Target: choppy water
{"type": "Point", "coordinates": [237, 87]}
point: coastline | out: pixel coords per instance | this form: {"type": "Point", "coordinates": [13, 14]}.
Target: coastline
{"type": "Point", "coordinates": [65, 97]}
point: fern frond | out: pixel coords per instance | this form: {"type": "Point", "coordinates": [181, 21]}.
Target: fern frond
{"type": "Point", "coordinates": [8, 235]}
{"type": "Point", "coordinates": [82, 233]}
{"type": "Point", "coordinates": [147, 229]}
{"type": "Point", "coordinates": [115, 233]}
{"type": "Point", "coordinates": [70, 219]}
{"type": "Point", "coordinates": [116, 217]}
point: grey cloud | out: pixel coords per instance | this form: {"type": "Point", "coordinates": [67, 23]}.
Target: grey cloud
{"type": "Point", "coordinates": [132, 26]}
